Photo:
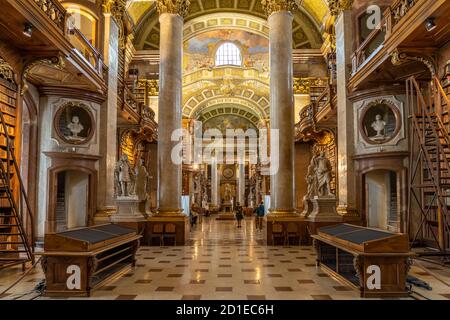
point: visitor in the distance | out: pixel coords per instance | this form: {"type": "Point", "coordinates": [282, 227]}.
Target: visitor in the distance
{"type": "Point", "coordinates": [239, 215]}
{"type": "Point", "coordinates": [259, 216]}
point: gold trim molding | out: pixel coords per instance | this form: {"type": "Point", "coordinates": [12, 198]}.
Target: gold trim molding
{"type": "Point", "coordinates": [303, 85]}
{"type": "Point", "coordinates": [337, 6]}
{"type": "Point", "coordinates": [271, 6]}
{"type": "Point", "coordinates": [282, 212]}
{"type": "Point", "coordinates": [180, 7]}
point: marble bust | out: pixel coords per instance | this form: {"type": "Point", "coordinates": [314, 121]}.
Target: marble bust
{"type": "Point", "coordinates": [378, 125]}
{"type": "Point", "coordinates": [75, 128]}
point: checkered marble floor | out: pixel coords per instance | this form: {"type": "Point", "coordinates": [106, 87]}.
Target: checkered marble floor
{"type": "Point", "coordinates": [225, 262]}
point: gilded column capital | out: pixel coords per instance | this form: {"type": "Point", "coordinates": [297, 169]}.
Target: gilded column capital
{"type": "Point", "coordinates": [115, 7]}
{"type": "Point", "coordinates": [271, 6]}
{"type": "Point", "coordinates": [180, 7]}
{"type": "Point", "coordinates": [337, 6]}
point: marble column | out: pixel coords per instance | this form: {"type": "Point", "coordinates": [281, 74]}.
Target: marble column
{"type": "Point", "coordinates": [108, 123]}
{"type": "Point", "coordinates": [214, 184]}
{"type": "Point", "coordinates": [241, 184]}
{"type": "Point", "coordinates": [345, 117]}
{"type": "Point", "coordinates": [169, 104]}
{"type": "Point", "coordinates": [281, 103]}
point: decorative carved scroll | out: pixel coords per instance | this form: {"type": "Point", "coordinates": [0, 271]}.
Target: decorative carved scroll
{"type": "Point", "coordinates": [399, 58]}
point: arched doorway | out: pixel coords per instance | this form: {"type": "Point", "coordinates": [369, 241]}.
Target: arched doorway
{"type": "Point", "coordinates": [72, 194]}
{"type": "Point", "coordinates": [72, 200]}
{"type": "Point", "coordinates": [381, 200]}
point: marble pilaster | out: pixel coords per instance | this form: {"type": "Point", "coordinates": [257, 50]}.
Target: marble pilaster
{"type": "Point", "coordinates": [282, 191]}
{"type": "Point", "coordinates": [214, 184]}
{"type": "Point", "coordinates": [282, 106]}
{"type": "Point", "coordinates": [169, 116]}
{"type": "Point", "coordinates": [345, 116]}
{"type": "Point", "coordinates": [108, 122]}
{"type": "Point", "coordinates": [241, 184]}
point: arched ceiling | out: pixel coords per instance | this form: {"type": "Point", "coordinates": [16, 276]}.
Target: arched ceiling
{"type": "Point", "coordinates": [308, 19]}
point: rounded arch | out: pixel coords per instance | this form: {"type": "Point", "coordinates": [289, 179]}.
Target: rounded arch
{"type": "Point", "coordinates": [84, 19]}
{"type": "Point", "coordinates": [249, 17]}
{"type": "Point", "coordinates": [236, 109]}
{"type": "Point", "coordinates": [228, 53]}
{"type": "Point", "coordinates": [246, 99]}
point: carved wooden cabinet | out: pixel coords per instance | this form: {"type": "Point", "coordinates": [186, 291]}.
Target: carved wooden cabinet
{"type": "Point", "coordinates": [373, 261]}
{"type": "Point", "coordinates": [78, 260]}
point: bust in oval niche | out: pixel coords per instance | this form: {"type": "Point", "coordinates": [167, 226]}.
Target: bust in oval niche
{"type": "Point", "coordinates": [380, 122]}
{"type": "Point", "coordinates": [74, 123]}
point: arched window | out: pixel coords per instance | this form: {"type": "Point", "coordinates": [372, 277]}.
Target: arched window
{"type": "Point", "coordinates": [83, 20]}
{"type": "Point", "coordinates": [228, 54]}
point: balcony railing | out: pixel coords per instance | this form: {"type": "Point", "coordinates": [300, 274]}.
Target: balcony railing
{"type": "Point", "coordinates": [86, 49]}
{"type": "Point", "coordinates": [368, 48]}
{"type": "Point", "coordinates": [54, 11]}
{"type": "Point", "coordinates": [392, 17]}
{"type": "Point", "coordinates": [400, 9]}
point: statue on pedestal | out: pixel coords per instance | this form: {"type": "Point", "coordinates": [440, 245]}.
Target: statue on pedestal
{"type": "Point", "coordinates": [227, 193]}
{"type": "Point", "coordinates": [323, 174]}
{"type": "Point", "coordinates": [141, 180]}
{"type": "Point", "coordinates": [123, 177]}
{"type": "Point", "coordinates": [311, 180]}
{"type": "Point", "coordinates": [131, 191]}
{"type": "Point", "coordinates": [319, 203]}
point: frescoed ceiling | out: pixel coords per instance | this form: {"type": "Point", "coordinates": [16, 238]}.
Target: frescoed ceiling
{"type": "Point", "coordinates": [308, 19]}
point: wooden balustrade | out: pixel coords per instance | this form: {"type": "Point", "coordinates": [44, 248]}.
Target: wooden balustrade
{"type": "Point", "coordinates": [392, 17]}
{"type": "Point", "coordinates": [54, 11]}
{"type": "Point", "coordinates": [368, 48]}
{"type": "Point", "coordinates": [400, 9]}
{"type": "Point", "coordinates": [86, 49]}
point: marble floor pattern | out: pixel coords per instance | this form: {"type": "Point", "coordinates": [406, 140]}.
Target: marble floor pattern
{"type": "Point", "coordinates": [224, 262]}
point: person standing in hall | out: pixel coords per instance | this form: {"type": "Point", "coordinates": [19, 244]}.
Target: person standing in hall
{"type": "Point", "coordinates": [259, 216]}
{"type": "Point", "coordinates": [239, 215]}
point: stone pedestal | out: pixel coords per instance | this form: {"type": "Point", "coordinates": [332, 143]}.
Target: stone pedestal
{"type": "Point", "coordinates": [307, 207]}
{"type": "Point", "coordinates": [129, 209]}
{"type": "Point", "coordinates": [320, 212]}
{"type": "Point", "coordinates": [323, 210]}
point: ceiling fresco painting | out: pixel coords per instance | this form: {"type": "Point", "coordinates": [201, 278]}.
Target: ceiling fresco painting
{"type": "Point", "coordinates": [199, 52]}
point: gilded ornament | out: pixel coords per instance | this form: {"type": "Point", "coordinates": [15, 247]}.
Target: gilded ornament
{"type": "Point", "coordinates": [6, 71]}
{"type": "Point", "coordinates": [180, 7]}
{"type": "Point", "coordinates": [271, 6]}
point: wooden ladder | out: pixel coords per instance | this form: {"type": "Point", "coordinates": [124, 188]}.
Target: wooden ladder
{"type": "Point", "coordinates": [15, 246]}
{"type": "Point", "coordinates": [429, 169]}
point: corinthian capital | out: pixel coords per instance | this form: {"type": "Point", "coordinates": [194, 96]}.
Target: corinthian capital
{"type": "Point", "coordinates": [180, 7]}
{"type": "Point", "coordinates": [337, 6]}
{"type": "Point", "coordinates": [115, 7]}
{"type": "Point", "coordinates": [271, 6]}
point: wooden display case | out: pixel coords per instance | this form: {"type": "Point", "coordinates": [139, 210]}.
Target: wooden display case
{"type": "Point", "coordinates": [355, 254]}
{"type": "Point", "coordinates": [79, 260]}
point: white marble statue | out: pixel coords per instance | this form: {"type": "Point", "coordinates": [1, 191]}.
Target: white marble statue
{"type": "Point", "coordinates": [75, 128]}
{"type": "Point", "coordinates": [323, 169]}
{"type": "Point", "coordinates": [140, 186]}
{"type": "Point", "coordinates": [311, 179]}
{"type": "Point", "coordinates": [227, 193]}
{"type": "Point", "coordinates": [378, 125]}
{"type": "Point", "coordinates": [124, 176]}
